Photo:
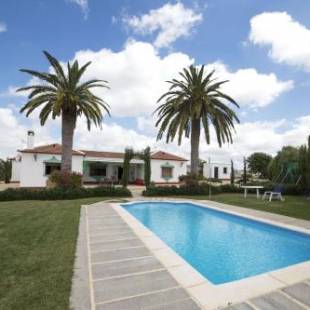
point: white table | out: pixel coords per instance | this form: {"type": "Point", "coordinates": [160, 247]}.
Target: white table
{"type": "Point", "coordinates": [247, 187]}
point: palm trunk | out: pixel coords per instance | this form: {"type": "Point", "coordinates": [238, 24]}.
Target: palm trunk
{"type": "Point", "coordinates": [195, 138]}
{"type": "Point", "coordinates": [67, 130]}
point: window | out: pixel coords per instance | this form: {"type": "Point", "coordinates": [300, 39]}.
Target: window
{"type": "Point", "coordinates": [225, 170]}
{"type": "Point", "coordinates": [166, 172]}
{"type": "Point", "coordinates": [50, 167]}
{"type": "Point", "coordinates": [97, 170]}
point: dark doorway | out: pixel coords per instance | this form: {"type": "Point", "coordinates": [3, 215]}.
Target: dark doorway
{"type": "Point", "coordinates": [120, 173]}
{"type": "Point", "coordinates": [216, 172]}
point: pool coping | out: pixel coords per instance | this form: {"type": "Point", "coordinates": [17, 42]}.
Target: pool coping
{"type": "Point", "coordinates": [204, 292]}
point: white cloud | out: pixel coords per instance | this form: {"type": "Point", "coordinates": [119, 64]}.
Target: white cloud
{"type": "Point", "coordinates": [170, 22]}
{"type": "Point", "coordinates": [11, 92]}
{"type": "Point", "coordinates": [3, 27]}
{"type": "Point", "coordinates": [112, 137]}
{"type": "Point", "coordinates": [13, 132]}
{"type": "Point", "coordinates": [83, 4]}
{"type": "Point", "coordinates": [249, 87]}
{"type": "Point", "coordinates": [146, 124]}
{"type": "Point", "coordinates": [136, 76]}
{"type": "Point", "coordinates": [289, 41]}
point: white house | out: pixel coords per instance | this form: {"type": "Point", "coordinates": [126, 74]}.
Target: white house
{"type": "Point", "coordinates": [33, 165]}
{"type": "Point", "coordinates": [216, 170]}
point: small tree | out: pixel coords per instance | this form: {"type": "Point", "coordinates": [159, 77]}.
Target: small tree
{"type": "Point", "coordinates": [5, 170]}
{"type": "Point", "coordinates": [258, 163]}
{"type": "Point", "coordinates": [129, 155]}
{"type": "Point", "coordinates": [244, 170]}
{"type": "Point", "coordinates": [232, 173]}
{"type": "Point", "coordinates": [146, 156]}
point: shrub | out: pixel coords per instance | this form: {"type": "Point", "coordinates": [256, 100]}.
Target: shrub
{"type": "Point", "coordinates": [65, 179]}
{"type": "Point", "coordinates": [188, 190]}
{"type": "Point", "coordinates": [203, 189]}
{"type": "Point", "coordinates": [58, 193]}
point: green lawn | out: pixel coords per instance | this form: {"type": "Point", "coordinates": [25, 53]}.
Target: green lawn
{"type": "Point", "coordinates": [37, 246]}
{"type": "Point", "coordinates": [294, 206]}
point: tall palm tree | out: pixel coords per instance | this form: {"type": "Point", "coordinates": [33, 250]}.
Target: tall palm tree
{"type": "Point", "coordinates": [194, 100]}
{"type": "Point", "coordinates": [62, 94]}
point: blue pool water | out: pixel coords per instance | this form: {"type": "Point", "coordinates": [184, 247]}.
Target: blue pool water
{"type": "Point", "coordinates": [221, 246]}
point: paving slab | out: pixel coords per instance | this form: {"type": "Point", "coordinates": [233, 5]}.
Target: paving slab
{"type": "Point", "coordinates": [119, 268]}
{"type": "Point", "coordinates": [275, 301]}
{"type": "Point", "coordinates": [242, 306]}
{"type": "Point", "coordinates": [117, 288]}
{"type": "Point", "coordinates": [110, 231]}
{"type": "Point", "coordinates": [114, 237]}
{"type": "Point", "coordinates": [147, 300]}
{"type": "Point", "coordinates": [115, 245]}
{"type": "Point", "coordinates": [187, 304]}
{"type": "Point", "coordinates": [299, 291]}
{"type": "Point", "coordinates": [122, 254]}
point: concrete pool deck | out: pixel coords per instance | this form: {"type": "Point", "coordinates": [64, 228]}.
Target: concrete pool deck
{"type": "Point", "coordinates": [120, 264]}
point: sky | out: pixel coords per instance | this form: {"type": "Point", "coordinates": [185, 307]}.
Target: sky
{"type": "Point", "coordinates": [261, 47]}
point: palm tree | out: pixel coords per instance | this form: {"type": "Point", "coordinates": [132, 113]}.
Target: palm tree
{"type": "Point", "coordinates": [64, 95]}
{"type": "Point", "coordinates": [192, 101]}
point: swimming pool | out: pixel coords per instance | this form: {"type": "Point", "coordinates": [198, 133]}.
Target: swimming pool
{"type": "Point", "coordinates": [221, 246]}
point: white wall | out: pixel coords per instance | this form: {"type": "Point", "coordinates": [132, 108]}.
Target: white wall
{"type": "Point", "coordinates": [179, 168]}
{"type": "Point", "coordinates": [16, 165]}
{"type": "Point", "coordinates": [210, 168]}
{"type": "Point", "coordinates": [32, 170]}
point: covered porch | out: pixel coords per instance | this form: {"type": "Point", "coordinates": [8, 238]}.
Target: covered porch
{"type": "Point", "coordinates": [111, 172]}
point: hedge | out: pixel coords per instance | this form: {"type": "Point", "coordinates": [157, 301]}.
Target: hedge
{"type": "Point", "coordinates": [189, 190]}
{"type": "Point", "coordinates": [62, 194]}
{"type": "Point", "coordinates": [204, 190]}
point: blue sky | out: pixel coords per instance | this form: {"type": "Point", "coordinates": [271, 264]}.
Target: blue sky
{"type": "Point", "coordinates": [267, 61]}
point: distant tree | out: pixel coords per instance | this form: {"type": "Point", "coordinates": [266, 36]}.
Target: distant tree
{"type": "Point", "coordinates": [244, 177]}
{"type": "Point", "coordinates": [232, 174]}
{"type": "Point", "coordinates": [288, 154]}
{"type": "Point", "coordinates": [304, 165]}
{"type": "Point", "coordinates": [5, 170]}
{"type": "Point", "coordinates": [258, 163]}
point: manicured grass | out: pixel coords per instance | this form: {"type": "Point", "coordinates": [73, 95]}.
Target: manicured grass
{"type": "Point", "coordinates": [37, 247]}
{"type": "Point", "coordinates": [294, 206]}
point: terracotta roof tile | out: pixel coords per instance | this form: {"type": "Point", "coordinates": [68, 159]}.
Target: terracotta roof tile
{"type": "Point", "coordinates": [56, 149]}
{"type": "Point", "coordinates": [49, 149]}
{"type": "Point", "coordinates": [166, 156]}
{"type": "Point", "coordinates": [103, 154]}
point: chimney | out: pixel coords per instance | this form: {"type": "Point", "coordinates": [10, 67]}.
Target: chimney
{"type": "Point", "coordinates": [30, 139]}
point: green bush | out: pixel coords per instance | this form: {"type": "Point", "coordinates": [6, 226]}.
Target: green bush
{"type": "Point", "coordinates": [62, 193]}
{"type": "Point", "coordinates": [186, 177]}
{"type": "Point", "coordinates": [65, 179]}
{"type": "Point", "coordinates": [203, 189]}
{"type": "Point", "coordinates": [189, 190]}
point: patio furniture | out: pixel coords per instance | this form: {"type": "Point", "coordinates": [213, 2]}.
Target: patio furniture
{"type": "Point", "coordinates": [251, 187]}
{"type": "Point", "coordinates": [276, 193]}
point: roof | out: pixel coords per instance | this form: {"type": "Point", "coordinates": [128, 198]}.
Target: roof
{"type": "Point", "coordinates": [49, 149]}
{"type": "Point", "coordinates": [57, 148]}
{"type": "Point", "coordinates": [103, 154]}
{"type": "Point", "coordinates": [166, 156]}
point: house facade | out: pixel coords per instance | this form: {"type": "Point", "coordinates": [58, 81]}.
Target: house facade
{"type": "Point", "coordinates": [33, 165]}
{"type": "Point", "coordinates": [216, 170]}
